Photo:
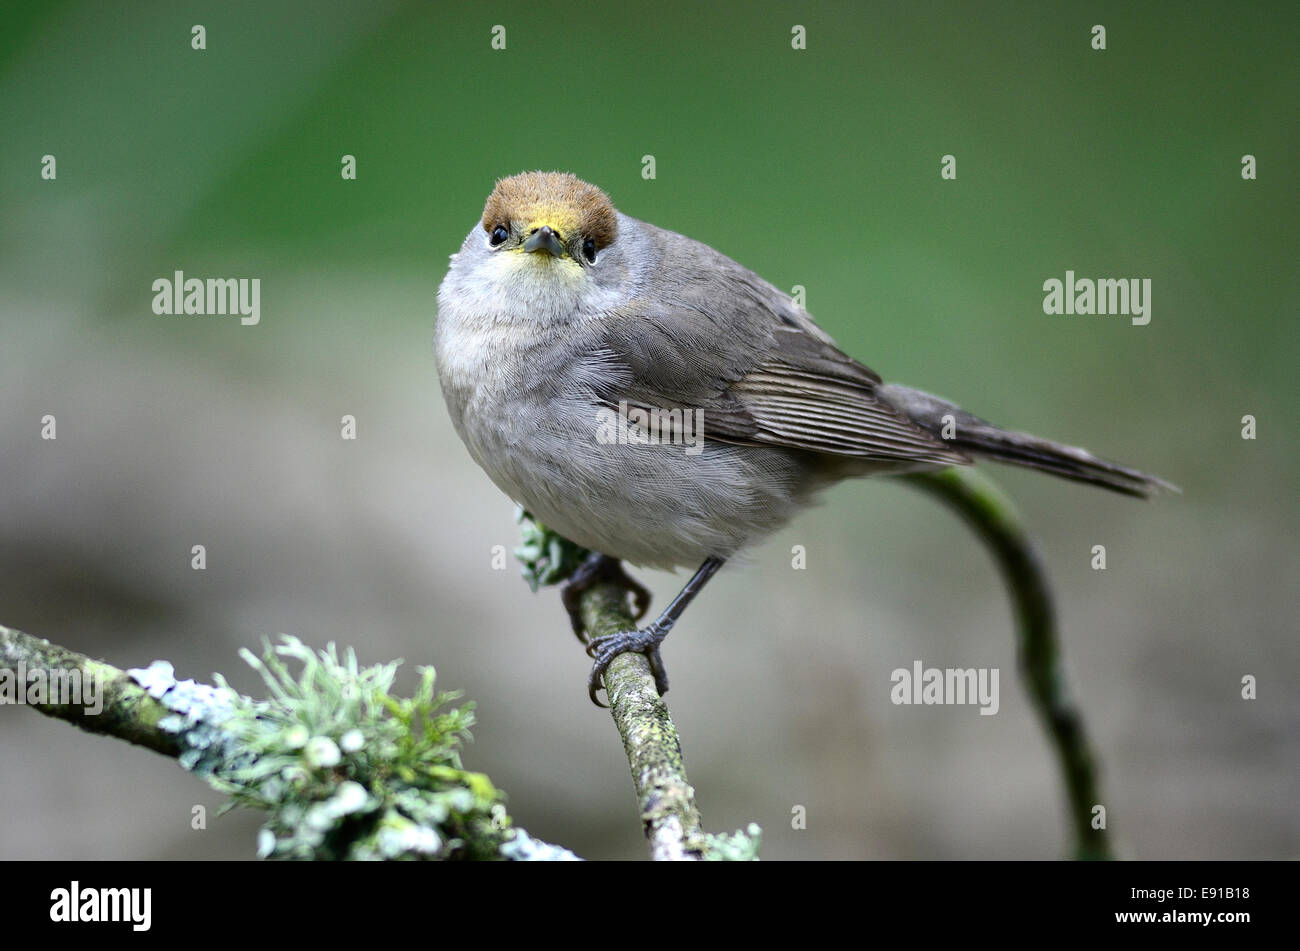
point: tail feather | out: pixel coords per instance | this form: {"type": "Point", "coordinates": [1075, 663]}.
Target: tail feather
{"type": "Point", "coordinates": [978, 437]}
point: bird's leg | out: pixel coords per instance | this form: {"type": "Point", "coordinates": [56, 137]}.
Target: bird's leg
{"type": "Point", "coordinates": [597, 568]}
{"type": "Point", "coordinates": [647, 640]}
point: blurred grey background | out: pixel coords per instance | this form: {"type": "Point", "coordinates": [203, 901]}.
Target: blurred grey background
{"type": "Point", "coordinates": [817, 167]}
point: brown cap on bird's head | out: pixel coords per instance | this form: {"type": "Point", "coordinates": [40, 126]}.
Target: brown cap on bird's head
{"type": "Point", "coordinates": [557, 199]}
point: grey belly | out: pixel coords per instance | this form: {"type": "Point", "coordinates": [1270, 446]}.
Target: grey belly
{"type": "Point", "coordinates": [651, 505]}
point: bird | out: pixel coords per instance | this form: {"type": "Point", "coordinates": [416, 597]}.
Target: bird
{"type": "Point", "coordinates": [657, 403]}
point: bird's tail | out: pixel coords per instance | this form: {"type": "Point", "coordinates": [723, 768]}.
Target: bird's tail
{"type": "Point", "coordinates": [977, 437]}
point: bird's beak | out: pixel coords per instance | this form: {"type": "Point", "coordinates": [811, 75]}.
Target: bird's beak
{"type": "Point", "coordinates": [545, 239]}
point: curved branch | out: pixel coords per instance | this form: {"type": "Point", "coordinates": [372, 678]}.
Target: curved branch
{"type": "Point", "coordinates": [985, 509]}
{"type": "Point", "coordinates": [654, 752]}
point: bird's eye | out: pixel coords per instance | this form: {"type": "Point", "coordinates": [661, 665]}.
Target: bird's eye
{"type": "Point", "coordinates": [589, 250]}
{"type": "Point", "coordinates": [499, 235]}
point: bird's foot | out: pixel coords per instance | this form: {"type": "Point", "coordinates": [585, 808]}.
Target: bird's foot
{"type": "Point", "coordinates": [596, 569]}
{"type": "Point", "coordinates": [645, 641]}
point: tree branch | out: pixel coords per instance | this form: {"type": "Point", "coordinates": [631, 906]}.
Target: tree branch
{"type": "Point", "coordinates": [654, 753]}
{"type": "Point", "coordinates": [343, 769]}
{"type": "Point", "coordinates": [139, 713]}
{"type": "Point", "coordinates": [985, 509]}
{"type": "Point", "coordinates": [128, 713]}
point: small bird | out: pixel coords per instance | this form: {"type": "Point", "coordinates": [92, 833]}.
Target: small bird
{"type": "Point", "coordinates": [657, 403]}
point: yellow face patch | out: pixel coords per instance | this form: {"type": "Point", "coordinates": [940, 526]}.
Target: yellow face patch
{"type": "Point", "coordinates": [563, 220]}
{"type": "Point", "coordinates": [522, 265]}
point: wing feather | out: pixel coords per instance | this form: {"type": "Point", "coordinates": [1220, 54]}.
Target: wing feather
{"type": "Point", "coordinates": [719, 338]}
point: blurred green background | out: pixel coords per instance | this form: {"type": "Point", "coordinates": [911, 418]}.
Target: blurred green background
{"type": "Point", "coordinates": [818, 168]}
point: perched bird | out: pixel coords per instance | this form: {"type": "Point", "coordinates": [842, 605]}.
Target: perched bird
{"type": "Point", "coordinates": [653, 401]}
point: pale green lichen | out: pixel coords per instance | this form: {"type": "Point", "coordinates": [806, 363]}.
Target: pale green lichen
{"type": "Point", "coordinates": [740, 846]}
{"type": "Point", "coordinates": [344, 769]}
{"type": "Point", "coordinates": [199, 712]}
{"type": "Point", "coordinates": [546, 558]}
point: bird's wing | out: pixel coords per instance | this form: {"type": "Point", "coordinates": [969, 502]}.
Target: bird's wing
{"type": "Point", "coordinates": [728, 343]}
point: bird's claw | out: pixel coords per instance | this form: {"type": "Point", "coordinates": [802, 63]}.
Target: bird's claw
{"type": "Point", "coordinates": [604, 649]}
